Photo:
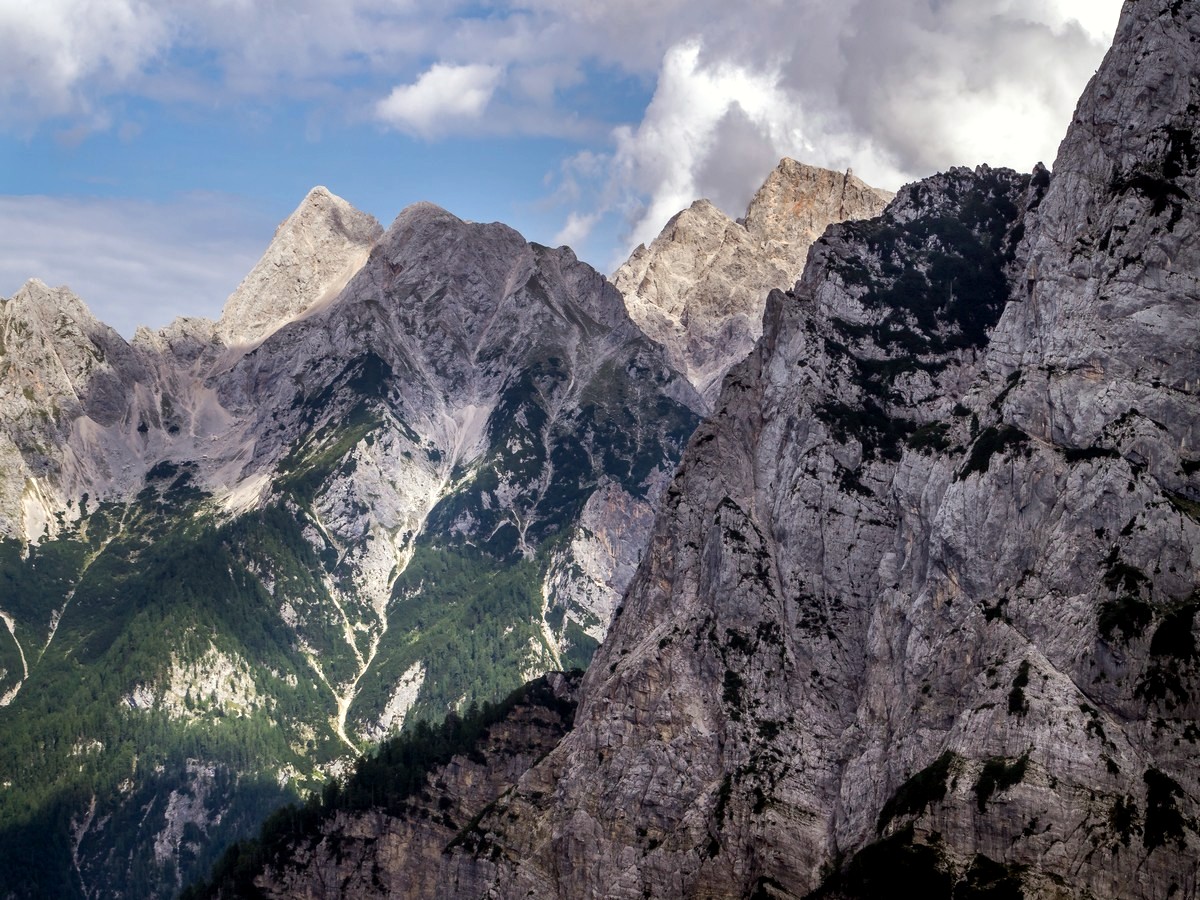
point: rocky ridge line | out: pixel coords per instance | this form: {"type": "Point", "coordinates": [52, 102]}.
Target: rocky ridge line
{"type": "Point", "coordinates": [700, 288]}
{"type": "Point", "coordinates": [920, 607]}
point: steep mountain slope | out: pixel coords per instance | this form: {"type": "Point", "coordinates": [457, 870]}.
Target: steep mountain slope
{"type": "Point", "coordinates": [920, 607]}
{"type": "Point", "coordinates": [700, 288]}
{"type": "Point", "coordinates": [313, 255]}
{"type": "Point", "coordinates": [417, 477]}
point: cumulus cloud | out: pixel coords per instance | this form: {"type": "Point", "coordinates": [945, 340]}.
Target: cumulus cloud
{"type": "Point", "coordinates": [125, 258]}
{"type": "Point", "coordinates": [52, 49]}
{"type": "Point", "coordinates": [896, 90]}
{"type": "Point", "coordinates": [443, 98]}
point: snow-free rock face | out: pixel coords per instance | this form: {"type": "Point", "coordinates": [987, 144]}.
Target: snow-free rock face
{"type": "Point", "coordinates": [313, 255]}
{"type": "Point", "coordinates": [64, 377]}
{"type": "Point", "coordinates": [701, 286]}
{"type": "Point", "coordinates": [405, 471]}
{"type": "Point", "coordinates": [920, 607]}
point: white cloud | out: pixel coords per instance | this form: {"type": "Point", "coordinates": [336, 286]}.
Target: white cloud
{"type": "Point", "coordinates": [443, 98]}
{"type": "Point", "coordinates": [133, 262]}
{"type": "Point", "coordinates": [714, 129]}
{"type": "Point", "coordinates": [576, 229]}
{"type": "Point", "coordinates": [895, 90]}
{"type": "Point", "coordinates": [51, 49]}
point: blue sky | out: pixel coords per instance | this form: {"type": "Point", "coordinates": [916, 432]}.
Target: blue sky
{"type": "Point", "coordinates": [149, 149]}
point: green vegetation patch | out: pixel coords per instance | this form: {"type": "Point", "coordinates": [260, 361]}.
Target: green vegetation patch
{"type": "Point", "coordinates": [383, 781]}
{"type": "Point", "coordinates": [469, 618]}
{"type": "Point", "coordinates": [1164, 821]}
{"type": "Point", "coordinates": [1175, 637]}
{"type": "Point", "coordinates": [932, 437]}
{"type": "Point", "coordinates": [1172, 656]}
{"type": "Point", "coordinates": [1017, 704]}
{"type": "Point", "coordinates": [1123, 818]}
{"type": "Point", "coordinates": [875, 871]}
{"type": "Point", "coordinates": [991, 441]}
{"type": "Point", "coordinates": [142, 586]}
{"type": "Point", "coordinates": [987, 879]}
{"type": "Point", "coordinates": [309, 465]}
{"type": "Point", "coordinates": [882, 435]}
{"type": "Point", "coordinates": [1128, 614]}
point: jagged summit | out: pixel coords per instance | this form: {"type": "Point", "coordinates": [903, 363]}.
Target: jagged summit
{"type": "Point", "coordinates": [798, 202]}
{"type": "Point", "coordinates": [40, 299]}
{"type": "Point", "coordinates": [700, 288]}
{"type": "Point", "coordinates": [314, 254]}
{"type": "Point", "coordinates": [920, 608]}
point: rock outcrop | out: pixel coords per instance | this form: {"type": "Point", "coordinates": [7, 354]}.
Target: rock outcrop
{"type": "Point", "coordinates": [920, 607]}
{"type": "Point", "coordinates": [314, 254]}
{"type": "Point", "coordinates": [440, 814]}
{"type": "Point", "coordinates": [701, 286]}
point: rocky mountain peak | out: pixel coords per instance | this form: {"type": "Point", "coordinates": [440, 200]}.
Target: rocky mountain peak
{"type": "Point", "coordinates": [38, 302]}
{"type": "Point", "coordinates": [920, 607]}
{"type": "Point", "coordinates": [798, 202]}
{"type": "Point", "coordinates": [700, 288]}
{"type": "Point", "coordinates": [313, 255]}
{"type": "Point", "coordinates": [1107, 316]}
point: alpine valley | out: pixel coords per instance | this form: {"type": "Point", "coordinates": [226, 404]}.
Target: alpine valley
{"type": "Point", "coordinates": [917, 616]}
{"type": "Point", "coordinates": [404, 473]}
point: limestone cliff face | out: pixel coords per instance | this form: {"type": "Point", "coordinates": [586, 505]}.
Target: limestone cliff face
{"type": "Point", "coordinates": [313, 255]}
{"type": "Point", "coordinates": [64, 378]}
{"type": "Point", "coordinates": [920, 607]}
{"type": "Point", "coordinates": [700, 288]}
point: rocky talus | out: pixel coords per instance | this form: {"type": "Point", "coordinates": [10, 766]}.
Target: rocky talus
{"type": "Point", "coordinates": [919, 610]}
{"type": "Point", "coordinates": [701, 286]}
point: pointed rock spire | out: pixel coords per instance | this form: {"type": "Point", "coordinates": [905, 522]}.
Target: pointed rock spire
{"type": "Point", "coordinates": [700, 288]}
{"type": "Point", "coordinates": [313, 255]}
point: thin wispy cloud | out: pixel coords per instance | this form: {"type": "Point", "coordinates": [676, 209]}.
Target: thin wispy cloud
{"type": "Point", "coordinates": [133, 262]}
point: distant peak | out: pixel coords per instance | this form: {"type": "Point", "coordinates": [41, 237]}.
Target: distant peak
{"type": "Point", "coordinates": [314, 253]}
{"type": "Point", "coordinates": [797, 201]}
{"type": "Point", "coordinates": [423, 210]}
{"type": "Point", "coordinates": [701, 212]}
{"type": "Point", "coordinates": [707, 209]}
{"type": "Point", "coordinates": [60, 298]}
{"type": "Point", "coordinates": [321, 198]}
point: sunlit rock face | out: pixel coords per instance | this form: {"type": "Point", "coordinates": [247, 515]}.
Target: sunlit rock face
{"type": "Point", "coordinates": [312, 257]}
{"type": "Point", "coordinates": [701, 286]}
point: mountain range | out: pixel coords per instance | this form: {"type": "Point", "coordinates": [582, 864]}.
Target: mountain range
{"type": "Point", "coordinates": [406, 471]}
{"type": "Point", "coordinates": [918, 612]}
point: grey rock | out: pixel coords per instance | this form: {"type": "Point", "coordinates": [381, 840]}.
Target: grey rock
{"type": "Point", "coordinates": [313, 255]}
{"type": "Point", "coordinates": [920, 605]}
{"type": "Point", "coordinates": [700, 288]}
